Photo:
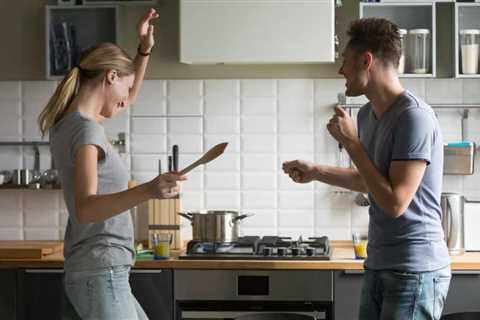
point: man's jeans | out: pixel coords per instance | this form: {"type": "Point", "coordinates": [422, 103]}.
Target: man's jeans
{"type": "Point", "coordinates": [101, 295]}
{"type": "Point", "coordinates": [391, 295]}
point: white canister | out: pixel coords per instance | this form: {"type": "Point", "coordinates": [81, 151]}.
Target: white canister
{"type": "Point", "coordinates": [469, 50]}
{"type": "Point", "coordinates": [401, 62]}
{"type": "Point", "coordinates": [419, 50]}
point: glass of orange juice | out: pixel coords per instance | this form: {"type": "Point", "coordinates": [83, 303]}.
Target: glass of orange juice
{"type": "Point", "coordinates": [161, 245]}
{"type": "Point", "coordinates": [360, 242]}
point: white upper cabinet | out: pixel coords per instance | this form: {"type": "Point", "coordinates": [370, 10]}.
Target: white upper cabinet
{"type": "Point", "coordinates": [257, 31]}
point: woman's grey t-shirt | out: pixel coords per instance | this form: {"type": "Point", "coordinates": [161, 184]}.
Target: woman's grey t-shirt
{"type": "Point", "coordinates": [413, 242]}
{"type": "Point", "coordinates": [91, 245]}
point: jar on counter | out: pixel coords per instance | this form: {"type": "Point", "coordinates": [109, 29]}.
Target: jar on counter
{"type": "Point", "coordinates": [469, 50]}
{"type": "Point", "coordinates": [401, 62]}
{"type": "Point", "coordinates": [419, 50]}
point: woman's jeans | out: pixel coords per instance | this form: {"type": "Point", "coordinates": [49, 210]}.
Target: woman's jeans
{"type": "Point", "coordinates": [101, 295]}
{"type": "Point", "coordinates": [403, 295]}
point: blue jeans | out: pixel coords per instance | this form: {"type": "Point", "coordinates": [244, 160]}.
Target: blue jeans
{"type": "Point", "coordinates": [101, 295]}
{"type": "Point", "coordinates": [391, 295]}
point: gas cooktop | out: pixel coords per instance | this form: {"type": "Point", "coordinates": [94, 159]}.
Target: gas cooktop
{"type": "Point", "coordinates": [265, 248]}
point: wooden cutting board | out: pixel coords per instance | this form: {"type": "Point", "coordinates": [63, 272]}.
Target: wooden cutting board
{"type": "Point", "coordinates": [28, 249]}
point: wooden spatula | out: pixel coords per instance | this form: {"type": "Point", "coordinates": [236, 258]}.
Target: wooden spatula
{"type": "Point", "coordinates": [211, 154]}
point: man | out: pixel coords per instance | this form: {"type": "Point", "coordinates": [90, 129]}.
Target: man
{"type": "Point", "coordinates": [398, 154]}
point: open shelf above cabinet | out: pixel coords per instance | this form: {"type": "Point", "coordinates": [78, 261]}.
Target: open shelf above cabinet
{"type": "Point", "coordinates": [71, 29]}
{"type": "Point", "coordinates": [409, 16]}
{"type": "Point", "coordinates": [467, 17]}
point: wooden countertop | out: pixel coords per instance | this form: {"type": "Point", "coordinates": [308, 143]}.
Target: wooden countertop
{"type": "Point", "coordinates": [342, 259]}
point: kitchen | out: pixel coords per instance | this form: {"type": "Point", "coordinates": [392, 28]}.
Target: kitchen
{"type": "Point", "coordinates": [268, 113]}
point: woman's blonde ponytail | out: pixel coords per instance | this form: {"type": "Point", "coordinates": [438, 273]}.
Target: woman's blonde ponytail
{"type": "Point", "coordinates": [94, 62]}
{"type": "Point", "coordinates": [60, 100]}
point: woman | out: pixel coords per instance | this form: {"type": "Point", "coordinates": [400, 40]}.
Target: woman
{"type": "Point", "coordinates": [99, 247]}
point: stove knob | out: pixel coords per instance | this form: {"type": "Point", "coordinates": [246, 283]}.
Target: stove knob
{"type": "Point", "coordinates": [310, 251]}
{"type": "Point", "coordinates": [281, 251]}
{"type": "Point", "coordinates": [295, 251]}
{"type": "Point", "coordinates": [267, 251]}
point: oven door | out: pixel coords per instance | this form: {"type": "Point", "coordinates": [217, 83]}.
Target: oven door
{"type": "Point", "coordinates": [229, 294]}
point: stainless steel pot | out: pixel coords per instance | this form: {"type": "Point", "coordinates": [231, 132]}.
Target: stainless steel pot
{"type": "Point", "coordinates": [220, 226]}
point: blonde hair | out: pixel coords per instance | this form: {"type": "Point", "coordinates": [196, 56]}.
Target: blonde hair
{"type": "Point", "coordinates": [94, 62]}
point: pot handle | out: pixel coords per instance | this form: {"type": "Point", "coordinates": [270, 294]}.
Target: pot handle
{"type": "Point", "coordinates": [242, 216]}
{"type": "Point", "coordinates": [186, 215]}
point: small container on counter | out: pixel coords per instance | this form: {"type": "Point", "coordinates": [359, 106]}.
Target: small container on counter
{"type": "Point", "coordinates": [360, 242]}
{"type": "Point", "coordinates": [161, 245]}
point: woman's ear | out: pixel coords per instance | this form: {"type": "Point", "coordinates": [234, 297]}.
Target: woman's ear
{"type": "Point", "coordinates": [111, 76]}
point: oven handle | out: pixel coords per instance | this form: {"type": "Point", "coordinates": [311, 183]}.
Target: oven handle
{"type": "Point", "coordinates": [316, 315]}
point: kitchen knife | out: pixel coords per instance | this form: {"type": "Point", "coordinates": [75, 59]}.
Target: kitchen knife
{"type": "Point", "coordinates": [175, 157]}
{"type": "Point", "coordinates": [170, 164]}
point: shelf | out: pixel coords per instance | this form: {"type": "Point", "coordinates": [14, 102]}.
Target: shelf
{"type": "Point", "coordinates": [75, 29]}
{"type": "Point", "coordinates": [29, 187]}
{"type": "Point", "coordinates": [408, 15]}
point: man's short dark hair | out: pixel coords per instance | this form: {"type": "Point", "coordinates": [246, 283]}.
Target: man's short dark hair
{"type": "Point", "coordinates": [378, 36]}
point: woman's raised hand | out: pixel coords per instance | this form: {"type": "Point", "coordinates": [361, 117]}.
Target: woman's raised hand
{"type": "Point", "coordinates": [145, 30]}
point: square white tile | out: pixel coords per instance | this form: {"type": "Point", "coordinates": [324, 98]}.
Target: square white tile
{"type": "Point", "coordinates": [225, 88]}
{"type": "Point", "coordinates": [222, 181]}
{"type": "Point", "coordinates": [258, 88]}
{"type": "Point", "coordinates": [222, 200]}
{"type": "Point", "coordinates": [259, 181]}
{"type": "Point", "coordinates": [222, 105]}
{"type": "Point", "coordinates": [259, 200]}
{"type": "Point", "coordinates": [184, 88]}
{"type": "Point", "coordinates": [222, 125]}
{"type": "Point", "coordinates": [290, 88]}
{"type": "Point", "coordinates": [259, 163]}
{"type": "Point", "coordinates": [185, 126]}
{"type": "Point", "coordinates": [259, 124]}
{"type": "Point", "coordinates": [258, 106]}
{"type": "Point", "coordinates": [259, 143]}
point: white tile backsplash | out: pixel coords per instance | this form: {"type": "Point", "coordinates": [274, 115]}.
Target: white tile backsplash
{"type": "Point", "coordinates": [259, 124]}
{"type": "Point", "coordinates": [222, 125]}
{"type": "Point", "coordinates": [258, 106]}
{"type": "Point", "coordinates": [224, 88]}
{"type": "Point", "coordinates": [259, 143]}
{"type": "Point", "coordinates": [10, 90]}
{"type": "Point", "coordinates": [258, 88]}
{"type": "Point", "coordinates": [265, 121]}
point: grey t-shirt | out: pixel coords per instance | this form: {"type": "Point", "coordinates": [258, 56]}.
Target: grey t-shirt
{"type": "Point", "coordinates": [414, 241]}
{"type": "Point", "coordinates": [92, 245]}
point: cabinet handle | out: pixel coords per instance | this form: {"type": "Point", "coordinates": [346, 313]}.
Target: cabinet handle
{"type": "Point", "coordinates": [466, 272]}
{"type": "Point", "coordinates": [44, 271]}
{"type": "Point", "coordinates": [146, 271]}
{"type": "Point", "coordinates": [353, 271]}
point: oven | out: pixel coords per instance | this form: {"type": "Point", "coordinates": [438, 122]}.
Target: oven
{"type": "Point", "coordinates": [229, 294]}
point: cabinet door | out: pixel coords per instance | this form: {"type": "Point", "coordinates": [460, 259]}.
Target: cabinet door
{"type": "Point", "coordinates": [260, 31]}
{"type": "Point", "coordinates": [348, 286]}
{"type": "Point", "coordinates": [463, 293]}
{"type": "Point", "coordinates": [154, 291]}
{"type": "Point", "coordinates": [41, 294]}
{"type": "Point", "coordinates": [8, 279]}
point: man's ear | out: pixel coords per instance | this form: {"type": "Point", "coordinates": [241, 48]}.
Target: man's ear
{"type": "Point", "coordinates": [111, 76]}
{"type": "Point", "coordinates": [367, 60]}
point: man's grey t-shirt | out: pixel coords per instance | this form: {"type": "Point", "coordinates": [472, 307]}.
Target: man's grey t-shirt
{"type": "Point", "coordinates": [91, 245]}
{"type": "Point", "coordinates": [413, 242]}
